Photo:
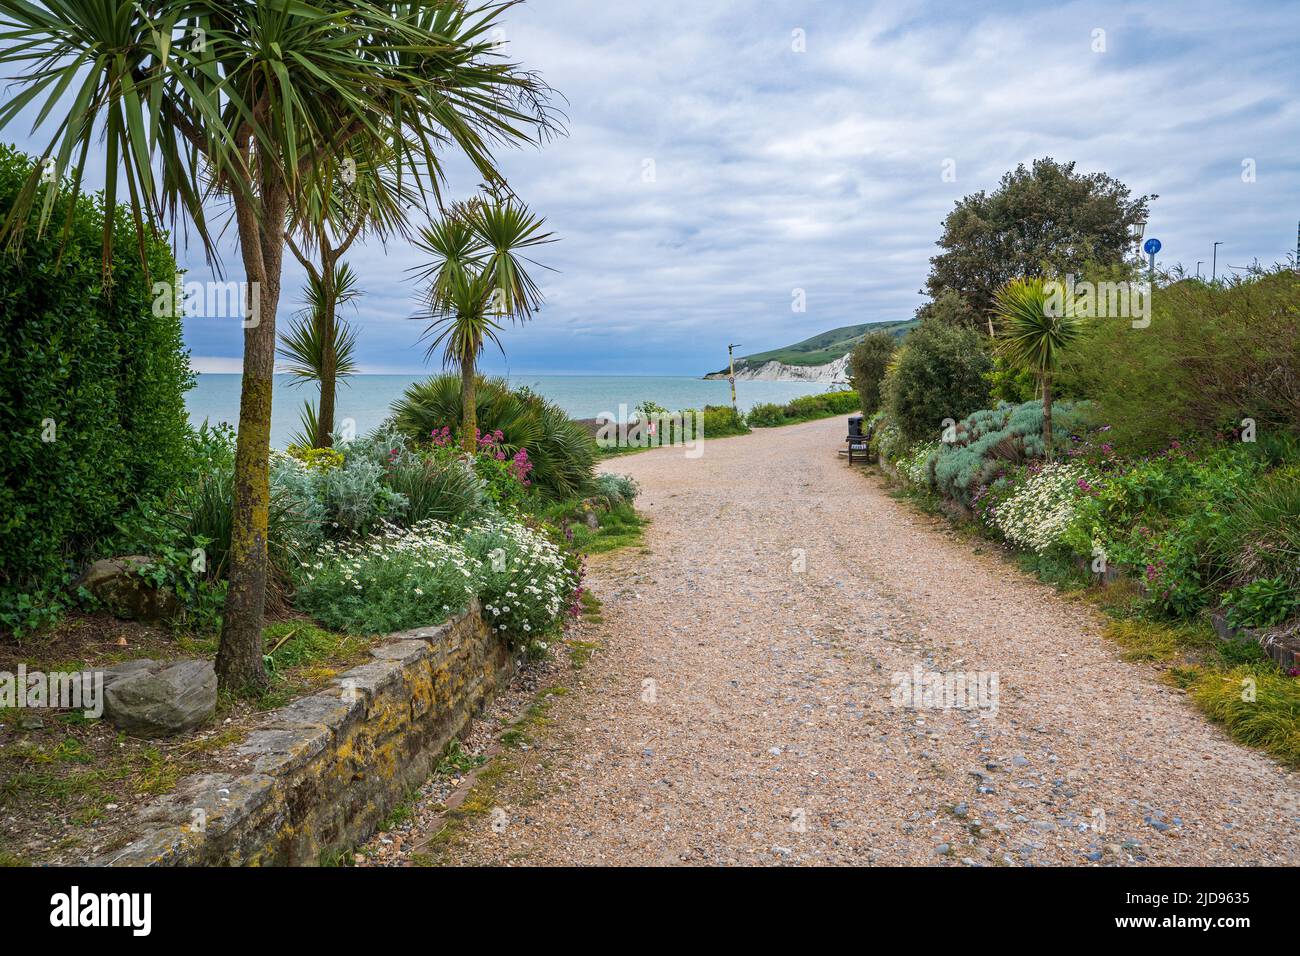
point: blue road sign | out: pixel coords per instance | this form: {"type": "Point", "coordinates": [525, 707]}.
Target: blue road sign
{"type": "Point", "coordinates": [1151, 246]}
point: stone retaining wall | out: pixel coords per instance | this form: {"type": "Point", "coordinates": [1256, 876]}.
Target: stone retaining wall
{"type": "Point", "coordinates": [322, 772]}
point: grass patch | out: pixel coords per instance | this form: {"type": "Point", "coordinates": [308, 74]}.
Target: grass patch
{"type": "Point", "coordinates": [301, 657]}
{"type": "Point", "coordinates": [591, 608]}
{"type": "Point", "coordinates": [534, 718]}
{"type": "Point", "coordinates": [456, 761]}
{"type": "Point", "coordinates": [620, 527]}
{"type": "Point", "coordinates": [1232, 682]}
{"type": "Point", "coordinates": [1270, 721]}
{"type": "Point", "coordinates": [403, 811]}
{"type": "Point", "coordinates": [1154, 641]}
{"type": "Point", "coordinates": [580, 653]}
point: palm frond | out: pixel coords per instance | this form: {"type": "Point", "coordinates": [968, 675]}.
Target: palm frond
{"type": "Point", "coordinates": [1035, 326]}
{"type": "Point", "coordinates": [303, 343]}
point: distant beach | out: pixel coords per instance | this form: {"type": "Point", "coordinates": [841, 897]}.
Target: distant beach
{"type": "Point", "coordinates": [368, 398]}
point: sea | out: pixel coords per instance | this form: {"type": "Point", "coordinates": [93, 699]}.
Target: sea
{"type": "Point", "coordinates": [367, 399]}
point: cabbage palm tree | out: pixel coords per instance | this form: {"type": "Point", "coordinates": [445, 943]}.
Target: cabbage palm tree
{"type": "Point", "coordinates": [251, 100]}
{"type": "Point", "coordinates": [477, 277]}
{"type": "Point", "coordinates": [1034, 329]}
{"type": "Point", "coordinates": [320, 347]}
{"type": "Point", "coordinates": [364, 195]}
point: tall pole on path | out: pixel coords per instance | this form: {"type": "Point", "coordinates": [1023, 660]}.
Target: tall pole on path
{"type": "Point", "coordinates": [731, 373]}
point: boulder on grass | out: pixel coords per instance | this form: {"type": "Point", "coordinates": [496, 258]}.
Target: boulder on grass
{"type": "Point", "coordinates": [162, 700]}
{"type": "Point", "coordinates": [117, 583]}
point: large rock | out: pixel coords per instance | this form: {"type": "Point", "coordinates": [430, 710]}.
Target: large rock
{"type": "Point", "coordinates": [117, 583]}
{"type": "Point", "coordinates": [162, 700]}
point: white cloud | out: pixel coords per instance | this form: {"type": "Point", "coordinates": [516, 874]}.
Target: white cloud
{"type": "Point", "coordinates": [822, 170]}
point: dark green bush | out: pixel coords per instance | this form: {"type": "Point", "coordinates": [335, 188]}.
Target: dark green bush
{"type": "Point", "coordinates": [868, 363]}
{"type": "Point", "coordinates": [96, 371]}
{"type": "Point", "coordinates": [562, 452]}
{"type": "Point", "coordinates": [940, 374]}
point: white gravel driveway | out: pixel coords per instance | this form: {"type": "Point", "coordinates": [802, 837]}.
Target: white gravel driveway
{"type": "Point", "coordinates": [768, 734]}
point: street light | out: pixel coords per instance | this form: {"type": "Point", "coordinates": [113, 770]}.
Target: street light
{"type": "Point", "coordinates": [731, 372]}
{"type": "Point", "coordinates": [1199, 263]}
{"type": "Point", "coordinates": [1135, 233]}
{"type": "Point", "coordinates": [1214, 265]}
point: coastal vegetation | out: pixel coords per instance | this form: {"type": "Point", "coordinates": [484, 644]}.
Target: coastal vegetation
{"type": "Point", "coordinates": [259, 109]}
{"type": "Point", "coordinates": [803, 409]}
{"type": "Point", "coordinates": [476, 278]}
{"type": "Point", "coordinates": [1150, 462]}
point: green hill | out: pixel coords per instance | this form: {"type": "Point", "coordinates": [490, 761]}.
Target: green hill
{"type": "Point", "coordinates": [826, 346]}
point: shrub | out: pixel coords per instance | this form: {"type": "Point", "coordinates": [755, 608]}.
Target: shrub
{"type": "Point", "coordinates": [561, 451]}
{"type": "Point", "coordinates": [805, 408]}
{"type": "Point", "coordinates": [867, 364]}
{"type": "Point", "coordinates": [391, 581]}
{"type": "Point", "coordinates": [765, 415]}
{"type": "Point", "coordinates": [1212, 356]}
{"type": "Point", "coordinates": [356, 496]}
{"type": "Point", "coordinates": [91, 396]}
{"type": "Point", "coordinates": [437, 486]}
{"type": "Point", "coordinates": [524, 583]}
{"type": "Point", "coordinates": [990, 441]}
{"type": "Point", "coordinates": [1260, 532]}
{"type": "Point", "coordinates": [1263, 603]}
{"type": "Point", "coordinates": [201, 513]}
{"type": "Point", "coordinates": [939, 374]}
{"type": "Point", "coordinates": [1038, 513]}
{"type": "Point", "coordinates": [615, 490]}
{"type": "Point", "coordinates": [1168, 516]}
{"type": "Point", "coordinates": [719, 421]}
{"type": "Point", "coordinates": [915, 465]}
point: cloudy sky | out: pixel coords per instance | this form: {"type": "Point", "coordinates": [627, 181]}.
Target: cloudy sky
{"type": "Point", "coordinates": [723, 154]}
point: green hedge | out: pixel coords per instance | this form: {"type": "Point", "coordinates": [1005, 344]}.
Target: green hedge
{"type": "Point", "coordinates": [99, 374]}
{"type": "Point", "coordinates": [804, 409]}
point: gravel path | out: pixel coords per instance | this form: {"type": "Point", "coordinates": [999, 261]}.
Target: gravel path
{"type": "Point", "coordinates": [769, 736]}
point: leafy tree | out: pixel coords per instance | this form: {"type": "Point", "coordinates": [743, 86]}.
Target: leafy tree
{"type": "Point", "coordinates": [251, 99]}
{"type": "Point", "coordinates": [867, 364]}
{"type": "Point", "coordinates": [1044, 220]}
{"type": "Point", "coordinates": [939, 374]}
{"type": "Point", "coordinates": [951, 309]}
{"type": "Point", "coordinates": [477, 276]}
{"type": "Point", "coordinates": [1032, 334]}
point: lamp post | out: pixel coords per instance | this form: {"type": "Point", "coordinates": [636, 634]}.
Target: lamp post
{"type": "Point", "coordinates": [1199, 263]}
{"type": "Point", "coordinates": [1135, 233]}
{"type": "Point", "coordinates": [1214, 263]}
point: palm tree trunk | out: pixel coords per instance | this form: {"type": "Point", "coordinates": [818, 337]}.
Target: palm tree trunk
{"type": "Point", "coordinates": [239, 658]}
{"type": "Point", "coordinates": [468, 409]}
{"type": "Point", "coordinates": [329, 361]}
{"type": "Point", "coordinates": [1047, 414]}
